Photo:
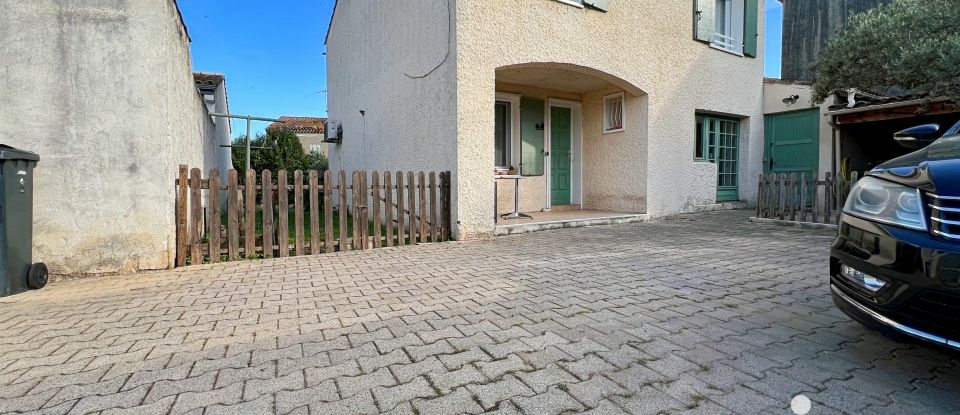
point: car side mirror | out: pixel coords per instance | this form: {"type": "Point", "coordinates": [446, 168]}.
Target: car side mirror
{"type": "Point", "coordinates": [919, 136]}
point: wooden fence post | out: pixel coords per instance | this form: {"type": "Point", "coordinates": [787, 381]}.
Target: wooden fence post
{"type": "Point", "coordinates": [233, 216]}
{"type": "Point", "coordinates": [355, 209]}
{"type": "Point", "coordinates": [760, 189]}
{"type": "Point", "coordinates": [434, 232]}
{"type": "Point", "coordinates": [283, 214]}
{"type": "Point", "coordinates": [388, 206]}
{"type": "Point", "coordinates": [298, 212]}
{"type": "Point", "coordinates": [196, 217]}
{"type": "Point", "coordinates": [401, 229]}
{"type": "Point", "coordinates": [328, 211]}
{"type": "Point", "coordinates": [828, 198]}
{"type": "Point", "coordinates": [213, 216]}
{"type": "Point", "coordinates": [250, 242]}
{"type": "Point", "coordinates": [375, 191]}
{"type": "Point", "coordinates": [447, 209]}
{"type": "Point", "coordinates": [266, 186]}
{"type": "Point", "coordinates": [182, 214]}
{"type": "Point", "coordinates": [804, 190]}
{"type": "Point", "coordinates": [422, 195]}
{"type": "Point", "coordinates": [344, 210]}
{"type": "Point", "coordinates": [412, 202]}
{"type": "Point", "coordinates": [314, 212]}
{"type": "Point", "coordinates": [793, 196]}
{"type": "Point", "coordinates": [364, 210]}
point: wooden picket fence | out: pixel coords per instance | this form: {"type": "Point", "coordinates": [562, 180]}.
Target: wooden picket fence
{"type": "Point", "coordinates": [799, 198]}
{"type": "Point", "coordinates": [371, 213]}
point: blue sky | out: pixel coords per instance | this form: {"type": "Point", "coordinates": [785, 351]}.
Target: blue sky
{"type": "Point", "coordinates": [272, 52]}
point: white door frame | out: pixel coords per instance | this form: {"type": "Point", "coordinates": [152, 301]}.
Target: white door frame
{"type": "Point", "coordinates": [576, 148]}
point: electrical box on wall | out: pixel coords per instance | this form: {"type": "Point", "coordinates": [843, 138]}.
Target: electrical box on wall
{"type": "Point", "coordinates": [334, 132]}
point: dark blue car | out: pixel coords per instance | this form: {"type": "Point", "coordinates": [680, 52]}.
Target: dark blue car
{"type": "Point", "coordinates": [895, 264]}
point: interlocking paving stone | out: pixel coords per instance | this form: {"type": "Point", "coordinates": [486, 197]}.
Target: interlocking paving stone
{"type": "Point", "coordinates": [448, 381]}
{"type": "Point", "coordinates": [361, 403]}
{"type": "Point", "coordinates": [317, 375]}
{"type": "Point", "coordinates": [694, 314]}
{"type": "Point", "coordinates": [592, 392]}
{"type": "Point", "coordinates": [489, 394]}
{"type": "Point", "coordinates": [95, 403]}
{"type": "Point", "coordinates": [388, 398]}
{"type": "Point", "coordinates": [407, 372]}
{"type": "Point", "coordinates": [458, 402]}
{"type": "Point", "coordinates": [495, 369]}
{"type": "Point", "coordinates": [288, 400]}
{"type": "Point", "coordinates": [554, 401]}
{"type": "Point", "coordinates": [350, 386]}
{"type": "Point", "coordinates": [542, 379]}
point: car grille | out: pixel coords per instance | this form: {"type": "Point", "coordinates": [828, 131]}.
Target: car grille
{"type": "Point", "coordinates": [933, 312]}
{"type": "Point", "coordinates": [945, 216]}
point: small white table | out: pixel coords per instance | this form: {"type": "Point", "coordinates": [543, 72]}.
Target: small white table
{"type": "Point", "coordinates": [516, 214]}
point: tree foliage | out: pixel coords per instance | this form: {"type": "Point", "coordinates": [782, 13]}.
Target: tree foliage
{"type": "Point", "coordinates": [913, 45]}
{"type": "Point", "coordinates": [285, 153]}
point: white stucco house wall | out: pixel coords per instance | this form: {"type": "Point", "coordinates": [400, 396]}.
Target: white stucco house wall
{"type": "Point", "coordinates": [104, 93]}
{"type": "Point", "coordinates": [620, 106]}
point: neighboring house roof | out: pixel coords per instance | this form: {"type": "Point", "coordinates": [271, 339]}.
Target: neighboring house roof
{"type": "Point", "coordinates": [212, 80]}
{"type": "Point", "coordinates": [301, 125]}
{"type": "Point", "coordinates": [855, 98]}
{"type": "Point", "coordinates": [205, 78]}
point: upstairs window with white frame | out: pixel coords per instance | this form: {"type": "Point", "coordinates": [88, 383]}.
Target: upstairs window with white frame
{"type": "Point", "coordinates": [728, 25]}
{"type": "Point", "coordinates": [613, 113]}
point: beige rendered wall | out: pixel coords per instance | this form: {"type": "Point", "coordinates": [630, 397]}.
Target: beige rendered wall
{"type": "Point", "coordinates": [394, 60]}
{"type": "Point", "coordinates": [774, 91]}
{"type": "Point", "coordinates": [104, 93]}
{"type": "Point", "coordinates": [649, 45]}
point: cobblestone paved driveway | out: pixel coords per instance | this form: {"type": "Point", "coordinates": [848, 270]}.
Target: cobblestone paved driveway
{"type": "Point", "coordinates": [695, 314]}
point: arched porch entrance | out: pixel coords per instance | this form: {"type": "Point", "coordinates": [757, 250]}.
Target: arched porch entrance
{"type": "Point", "coordinates": [573, 137]}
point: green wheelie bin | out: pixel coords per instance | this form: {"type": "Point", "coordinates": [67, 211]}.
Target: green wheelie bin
{"type": "Point", "coordinates": [18, 273]}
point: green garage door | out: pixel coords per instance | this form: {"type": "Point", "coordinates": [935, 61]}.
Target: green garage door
{"type": "Point", "coordinates": [792, 142]}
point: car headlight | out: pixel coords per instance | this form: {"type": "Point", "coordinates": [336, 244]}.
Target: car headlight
{"type": "Point", "coordinates": [886, 202]}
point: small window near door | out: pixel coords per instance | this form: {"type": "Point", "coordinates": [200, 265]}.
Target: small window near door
{"type": "Point", "coordinates": [613, 113]}
{"type": "Point", "coordinates": [502, 136]}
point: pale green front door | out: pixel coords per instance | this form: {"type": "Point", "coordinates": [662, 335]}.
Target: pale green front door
{"type": "Point", "coordinates": [560, 155]}
{"type": "Point", "coordinates": [793, 143]}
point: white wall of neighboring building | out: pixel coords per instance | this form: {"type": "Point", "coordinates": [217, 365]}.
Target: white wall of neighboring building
{"type": "Point", "coordinates": [377, 55]}
{"type": "Point", "coordinates": [222, 155]}
{"type": "Point", "coordinates": [105, 94]}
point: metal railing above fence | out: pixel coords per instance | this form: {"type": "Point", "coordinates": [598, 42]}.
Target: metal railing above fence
{"type": "Point", "coordinates": [257, 221]}
{"type": "Point", "coordinates": [801, 198]}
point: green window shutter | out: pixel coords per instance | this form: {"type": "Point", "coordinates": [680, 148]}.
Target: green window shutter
{"type": "Point", "coordinates": [750, 32]}
{"type": "Point", "coordinates": [531, 136]}
{"type": "Point", "coordinates": [704, 19]}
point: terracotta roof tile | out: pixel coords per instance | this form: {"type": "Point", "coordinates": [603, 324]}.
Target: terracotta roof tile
{"type": "Point", "coordinates": [203, 78]}
{"type": "Point", "coordinates": [301, 125]}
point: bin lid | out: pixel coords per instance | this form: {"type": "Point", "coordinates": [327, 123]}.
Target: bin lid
{"type": "Point", "coordinates": [10, 153]}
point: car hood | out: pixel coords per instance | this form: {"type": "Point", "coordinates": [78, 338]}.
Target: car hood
{"type": "Point", "coordinates": [935, 168]}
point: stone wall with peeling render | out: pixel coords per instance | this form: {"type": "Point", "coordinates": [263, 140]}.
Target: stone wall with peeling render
{"type": "Point", "coordinates": [105, 94]}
